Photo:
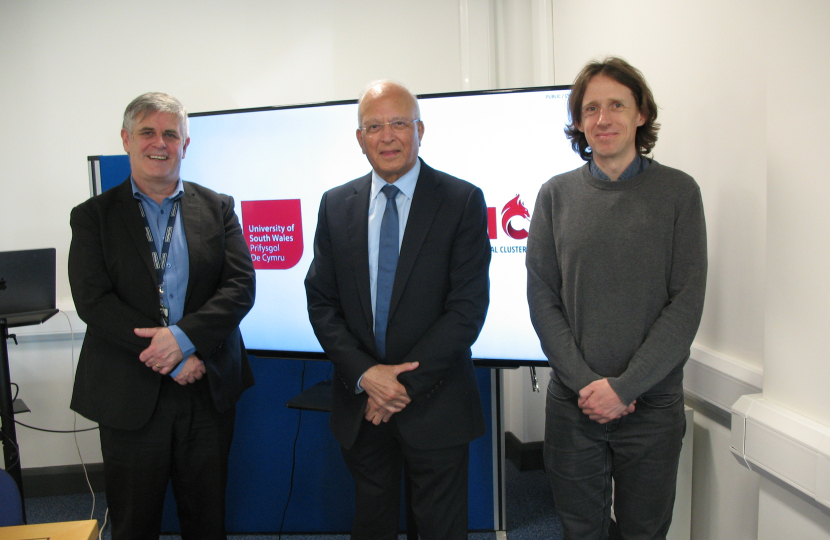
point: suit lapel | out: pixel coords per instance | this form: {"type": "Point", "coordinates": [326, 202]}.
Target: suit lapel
{"type": "Point", "coordinates": [131, 216]}
{"type": "Point", "coordinates": [425, 203]}
{"type": "Point", "coordinates": [191, 216]}
{"type": "Point", "coordinates": [357, 211]}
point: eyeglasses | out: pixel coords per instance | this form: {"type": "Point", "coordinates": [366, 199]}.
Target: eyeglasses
{"type": "Point", "coordinates": [396, 125]}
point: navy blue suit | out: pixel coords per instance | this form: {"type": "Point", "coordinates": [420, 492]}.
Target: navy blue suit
{"type": "Point", "coordinates": [439, 301]}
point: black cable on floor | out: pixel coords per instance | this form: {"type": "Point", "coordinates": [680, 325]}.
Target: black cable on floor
{"type": "Point", "coordinates": [16, 451]}
{"type": "Point", "coordinates": [293, 455]}
{"type": "Point", "coordinates": [19, 423]}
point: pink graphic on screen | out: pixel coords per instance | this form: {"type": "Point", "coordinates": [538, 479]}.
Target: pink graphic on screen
{"type": "Point", "coordinates": [514, 209]}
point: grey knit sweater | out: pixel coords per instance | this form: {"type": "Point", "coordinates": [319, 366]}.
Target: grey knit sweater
{"type": "Point", "coordinates": [616, 275]}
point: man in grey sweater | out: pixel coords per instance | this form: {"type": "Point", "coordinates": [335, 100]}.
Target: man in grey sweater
{"type": "Point", "coordinates": [616, 275]}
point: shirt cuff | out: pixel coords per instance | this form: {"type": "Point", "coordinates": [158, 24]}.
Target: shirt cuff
{"type": "Point", "coordinates": [185, 345]}
{"type": "Point", "coordinates": [359, 389]}
{"type": "Point", "coordinates": [176, 371]}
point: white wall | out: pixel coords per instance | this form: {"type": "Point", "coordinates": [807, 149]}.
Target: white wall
{"type": "Point", "coordinates": [43, 364]}
{"type": "Point", "coordinates": [705, 62]}
{"type": "Point", "coordinates": [727, 106]}
{"type": "Point", "coordinates": [798, 220]}
{"type": "Point", "coordinates": [724, 494]}
{"type": "Point", "coordinates": [796, 369]}
{"type": "Point", "coordinates": [705, 66]}
{"type": "Point", "coordinates": [786, 515]}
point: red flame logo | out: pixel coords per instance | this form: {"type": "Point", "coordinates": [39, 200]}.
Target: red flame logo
{"type": "Point", "coordinates": [514, 209]}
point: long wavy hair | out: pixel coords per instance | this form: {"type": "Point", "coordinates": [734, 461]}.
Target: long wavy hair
{"type": "Point", "coordinates": [627, 75]}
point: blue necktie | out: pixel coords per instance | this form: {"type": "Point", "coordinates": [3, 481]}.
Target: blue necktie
{"type": "Point", "coordinates": [387, 262]}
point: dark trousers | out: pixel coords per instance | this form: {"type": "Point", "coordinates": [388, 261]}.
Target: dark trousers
{"type": "Point", "coordinates": [438, 477]}
{"type": "Point", "coordinates": [639, 451]}
{"type": "Point", "coordinates": [186, 442]}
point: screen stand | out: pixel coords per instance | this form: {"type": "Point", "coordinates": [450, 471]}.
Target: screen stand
{"type": "Point", "coordinates": [534, 380]}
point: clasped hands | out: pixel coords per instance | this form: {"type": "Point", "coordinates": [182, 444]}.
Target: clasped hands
{"type": "Point", "coordinates": [386, 395]}
{"type": "Point", "coordinates": [164, 354]}
{"type": "Point", "coordinates": [601, 403]}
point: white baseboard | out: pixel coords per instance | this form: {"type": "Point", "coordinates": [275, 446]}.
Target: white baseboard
{"type": "Point", "coordinates": [766, 438]}
{"type": "Point", "coordinates": [720, 380]}
{"type": "Point", "coordinates": [772, 440]}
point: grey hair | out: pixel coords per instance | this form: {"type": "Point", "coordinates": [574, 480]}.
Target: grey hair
{"type": "Point", "coordinates": [385, 82]}
{"type": "Point", "coordinates": [153, 102]}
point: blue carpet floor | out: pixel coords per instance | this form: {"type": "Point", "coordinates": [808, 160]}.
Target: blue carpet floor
{"type": "Point", "coordinates": [530, 512]}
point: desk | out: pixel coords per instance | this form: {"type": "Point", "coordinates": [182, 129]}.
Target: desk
{"type": "Point", "coordinates": [68, 530]}
{"type": "Point", "coordinates": [313, 398]}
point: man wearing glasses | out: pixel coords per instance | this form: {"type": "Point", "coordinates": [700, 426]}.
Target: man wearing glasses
{"type": "Point", "coordinates": [397, 294]}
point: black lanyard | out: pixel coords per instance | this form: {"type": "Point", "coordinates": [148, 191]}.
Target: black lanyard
{"type": "Point", "coordinates": [160, 261]}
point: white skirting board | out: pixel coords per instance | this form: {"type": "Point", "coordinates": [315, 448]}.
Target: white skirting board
{"type": "Point", "coordinates": [767, 438]}
{"type": "Point", "coordinates": [718, 379]}
{"type": "Point", "coordinates": [773, 440]}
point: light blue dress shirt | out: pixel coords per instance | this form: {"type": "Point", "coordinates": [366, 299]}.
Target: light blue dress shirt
{"type": "Point", "coordinates": [377, 205]}
{"type": "Point", "coordinates": [178, 263]}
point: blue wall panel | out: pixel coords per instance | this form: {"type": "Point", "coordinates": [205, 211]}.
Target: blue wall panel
{"type": "Point", "coordinates": [322, 497]}
{"type": "Point", "coordinates": [114, 170]}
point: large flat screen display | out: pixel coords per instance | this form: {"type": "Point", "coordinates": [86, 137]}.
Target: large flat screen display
{"type": "Point", "coordinates": [276, 162]}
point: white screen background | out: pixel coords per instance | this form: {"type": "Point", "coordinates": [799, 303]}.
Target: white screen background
{"type": "Point", "coordinates": [505, 143]}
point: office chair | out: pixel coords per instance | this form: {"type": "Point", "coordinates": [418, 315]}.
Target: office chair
{"type": "Point", "coordinates": [11, 508]}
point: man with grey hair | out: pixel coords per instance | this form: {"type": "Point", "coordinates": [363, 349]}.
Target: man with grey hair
{"type": "Point", "coordinates": [162, 276]}
{"type": "Point", "coordinates": [397, 294]}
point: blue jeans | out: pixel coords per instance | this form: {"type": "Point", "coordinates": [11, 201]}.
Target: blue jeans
{"type": "Point", "coordinates": [639, 451]}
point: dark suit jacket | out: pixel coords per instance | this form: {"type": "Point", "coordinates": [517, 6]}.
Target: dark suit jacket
{"type": "Point", "coordinates": [114, 286]}
{"type": "Point", "coordinates": [439, 301]}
